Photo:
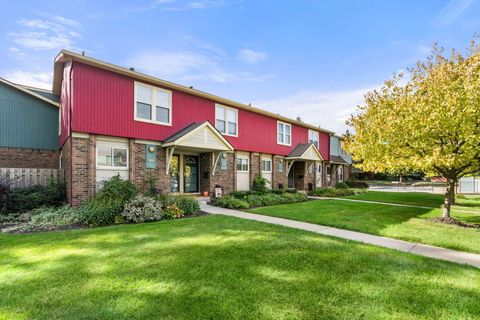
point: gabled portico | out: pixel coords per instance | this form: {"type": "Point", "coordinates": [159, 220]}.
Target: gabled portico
{"type": "Point", "coordinates": [183, 150]}
{"type": "Point", "coordinates": [302, 162]}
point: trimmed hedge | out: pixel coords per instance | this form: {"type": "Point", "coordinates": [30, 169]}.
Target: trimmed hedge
{"type": "Point", "coordinates": [231, 203]}
{"type": "Point", "coordinates": [333, 192]}
{"type": "Point", "coordinates": [252, 199]}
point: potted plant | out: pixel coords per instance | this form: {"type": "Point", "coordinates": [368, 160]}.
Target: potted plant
{"type": "Point", "coordinates": [205, 193]}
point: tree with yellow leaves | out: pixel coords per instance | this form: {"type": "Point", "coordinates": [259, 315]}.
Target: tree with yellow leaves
{"type": "Point", "coordinates": [427, 120]}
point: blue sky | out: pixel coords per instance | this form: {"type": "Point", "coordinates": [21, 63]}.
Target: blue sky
{"type": "Point", "coordinates": [315, 59]}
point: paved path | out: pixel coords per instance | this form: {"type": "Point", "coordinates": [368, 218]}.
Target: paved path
{"type": "Point", "coordinates": [389, 204]}
{"type": "Point", "coordinates": [405, 246]}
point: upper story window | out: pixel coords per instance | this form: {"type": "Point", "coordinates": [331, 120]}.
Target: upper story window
{"type": "Point", "coordinates": [153, 104]}
{"type": "Point", "coordinates": [226, 120]}
{"type": "Point", "coordinates": [313, 137]}
{"type": "Point", "coordinates": [284, 133]}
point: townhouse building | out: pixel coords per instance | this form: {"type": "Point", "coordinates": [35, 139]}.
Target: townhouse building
{"type": "Point", "coordinates": [116, 121]}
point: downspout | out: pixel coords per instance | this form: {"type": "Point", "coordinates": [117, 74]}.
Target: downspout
{"type": "Point", "coordinates": [70, 131]}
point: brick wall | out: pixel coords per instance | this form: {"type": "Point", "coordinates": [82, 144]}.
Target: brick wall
{"type": "Point", "coordinates": [224, 178]}
{"type": "Point", "coordinates": [254, 166]}
{"type": "Point", "coordinates": [83, 170]}
{"type": "Point", "coordinates": [28, 158]}
{"type": "Point", "coordinates": [140, 175]}
{"type": "Point", "coordinates": [279, 177]}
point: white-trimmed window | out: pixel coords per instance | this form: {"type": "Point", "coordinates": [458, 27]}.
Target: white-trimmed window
{"type": "Point", "coordinates": [319, 169]}
{"type": "Point", "coordinates": [280, 165]}
{"type": "Point", "coordinates": [284, 133]}
{"type": "Point", "coordinates": [153, 104]}
{"type": "Point", "coordinates": [267, 165]}
{"type": "Point", "coordinates": [340, 173]}
{"type": "Point", "coordinates": [226, 120]}
{"type": "Point", "coordinates": [314, 137]}
{"type": "Point", "coordinates": [111, 157]}
{"type": "Point", "coordinates": [242, 164]}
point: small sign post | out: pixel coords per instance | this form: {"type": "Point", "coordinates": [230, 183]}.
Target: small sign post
{"type": "Point", "coordinates": [151, 156]}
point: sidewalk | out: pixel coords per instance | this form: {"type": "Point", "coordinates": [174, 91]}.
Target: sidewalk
{"type": "Point", "coordinates": [405, 246]}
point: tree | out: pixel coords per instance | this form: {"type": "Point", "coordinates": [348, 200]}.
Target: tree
{"type": "Point", "coordinates": [428, 121]}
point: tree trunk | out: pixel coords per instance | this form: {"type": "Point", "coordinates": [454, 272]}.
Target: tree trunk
{"type": "Point", "coordinates": [448, 200]}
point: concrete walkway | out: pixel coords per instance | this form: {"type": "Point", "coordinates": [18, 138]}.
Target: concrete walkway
{"type": "Point", "coordinates": [405, 246]}
{"type": "Point", "coordinates": [389, 204]}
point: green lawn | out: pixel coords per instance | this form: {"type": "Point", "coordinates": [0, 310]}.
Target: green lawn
{"type": "Point", "coordinates": [216, 267]}
{"type": "Point", "coordinates": [412, 224]}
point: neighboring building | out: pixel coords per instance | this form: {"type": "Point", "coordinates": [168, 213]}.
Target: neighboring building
{"type": "Point", "coordinates": [338, 170]}
{"type": "Point", "coordinates": [29, 127]}
{"type": "Point", "coordinates": [118, 121]}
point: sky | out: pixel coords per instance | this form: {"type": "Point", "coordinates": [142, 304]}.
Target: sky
{"type": "Point", "coordinates": [314, 59]}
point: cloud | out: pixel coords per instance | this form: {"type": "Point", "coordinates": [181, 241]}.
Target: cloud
{"type": "Point", "coordinates": [189, 65]}
{"type": "Point", "coordinates": [251, 56]}
{"type": "Point", "coordinates": [329, 110]}
{"type": "Point", "coordinates": [179, 5]}
{"type": "Point", "coordinates": [451, 12]}
{"type": "Point", "coordinates": [34, 79]}
{"type": "Point", "coordinates": [40, 34]}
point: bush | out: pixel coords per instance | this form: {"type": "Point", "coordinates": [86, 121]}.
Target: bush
{"type": "Point", "coordinates": [341, 185]}
{"type": "Point", "coordinates": [55, 217]}
{"type": "Point", "coordinates": [241, 194]}
{"type": "Point", "coordinates": [189, 205]}
{"type": "Point", "coordinates": [142, 209]}
{"type": "Point", "coordinates": [330, 192]}
{"type": "Point", "coordinates": [231, 203]}
{"type": "Point", "coordinates": [116, 187]}
{"type": "Point", "coordinates": [357, 184]}
{"type": "Point", "coordinates": [28, 198]}
{"type": "Point", "coordinates": [101, 210]}
{"type": "Point", "coordinates": [172, 211]}
{"type": "Point", "coordinates": [259, 184]}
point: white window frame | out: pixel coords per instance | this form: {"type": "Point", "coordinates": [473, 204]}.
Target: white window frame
{"type": "Point", "coordinates": [340, 173]}
{"type": "Point", "coordinates": [317, 136]}
{"type": "Point", "coordinates": [262, 166]}
{"type": "Point", "coordinates": [241, 165]}
{"type": "Point", "coordinates": [112, 151]}
{"type": "Point", "coordinates": [284, 133]}
{"type": "Point", "coordinates": [153, 103]}
{"type": "Point", "coordinates": [226, 120]}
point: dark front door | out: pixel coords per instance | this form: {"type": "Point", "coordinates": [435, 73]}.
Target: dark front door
{"type": "Point", "coordinates": [190, 174]}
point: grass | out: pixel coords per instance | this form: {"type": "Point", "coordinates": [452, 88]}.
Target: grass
{"type": "Point", "coordinates": [216, 267]}
{"type": "Point", "coordinates": [406, 223]}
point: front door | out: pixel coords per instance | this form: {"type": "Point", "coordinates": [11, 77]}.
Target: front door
{"type": "Point", "coordinates": [291, 178]}
{"type": "Point", "coordinates": [190, 174]}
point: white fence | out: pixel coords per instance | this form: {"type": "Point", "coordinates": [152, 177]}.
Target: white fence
{"type": "Point", "coordinates": [25, 177]}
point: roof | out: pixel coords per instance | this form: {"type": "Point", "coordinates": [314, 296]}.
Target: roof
{"type": "Point", "coordinates": [44, 93]}
{"type": "Point", "coordinates": [301, 152]}
{"type": "Point", "coordinates": [29, 91]}
{"type": "Point", "coordinates": [65, 55]}
{"type": "Point", "coordinates": [177, 135]}
{"type": "Point", "coordinates": [337, 159]}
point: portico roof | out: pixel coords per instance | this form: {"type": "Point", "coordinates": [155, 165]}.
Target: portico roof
{"type": "Point", "coordinates": [306, 152]}
{"type": "Point", "coordinates": [199, 136]}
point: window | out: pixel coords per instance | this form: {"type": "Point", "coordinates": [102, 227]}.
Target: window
{"type": "Point", "coordinates": [284, 133]}
{"type": "Point", "coordinates": [226, 120]}
{"type": "Point", "coordinates": [313, 137]}
{"type": "Point", "coordinates": [223, 163]}
{"type": "Point", "coordinates": [153, 104]}
{"type": "Point", "coordinates": [319, 169]}
{"type": "Point", "coordinates": [340, 173]}
{"type": "Point", "coordinates": [242, 164]}
{"type": "Point", "coordinates": [280, 165]}
{"type": "Point", "coordinates": [112, 157]}
{"type": "Point", "coordinates": [329, 172]}
{"type": "Point", "coordinates": [267, 165]}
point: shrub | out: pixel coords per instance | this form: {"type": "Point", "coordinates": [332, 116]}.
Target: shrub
{"type": "Point", "coordinates": [278, 191]}
{"type": "Point", "coordinates": [142, 209]}
{"type": "Point", "coordinates": [28, 198]}
{"type": "Point", "coordinates": [189, 205]}
{"type": "Point", "coordinates": [241, 194]}
{"type": "Point", "coordinates": [55, 217]}
{"type": "Point", "coordinates": [259, 184]}
{"type": "Point", "coordinates": [231, 203]}
{"type": "Point", "coordinates": [101, 210]}
{"type": "Point", "coordinates": [330, 192]}
{"type": "Point", "coordinates": [341, 185]}
{"type": "Point", "coordinates": [172, 211]}
{"type": "Point", "coordinates": [116, 187]}
{"type": "Point", "coordinates": [352, 183]}
{"type": "Point", "coordinates": [294, 197]}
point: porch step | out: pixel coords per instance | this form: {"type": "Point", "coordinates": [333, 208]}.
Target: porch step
{"type": "Point", "coordinates": [203, 200]}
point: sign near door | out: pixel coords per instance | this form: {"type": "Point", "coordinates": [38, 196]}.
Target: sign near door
{"type": "Point", "coordinates": [151, 156]}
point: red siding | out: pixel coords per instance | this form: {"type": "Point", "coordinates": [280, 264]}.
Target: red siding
{"type": "Point", "coordinates": [104, 104]}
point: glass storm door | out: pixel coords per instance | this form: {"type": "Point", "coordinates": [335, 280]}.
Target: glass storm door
{"type": "Point", "coordinates": [174, 174]}
{"type": "Point", "coordinates": [190, 174]}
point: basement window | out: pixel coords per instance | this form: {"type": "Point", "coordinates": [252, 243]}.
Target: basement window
{"type": "Point", "coordinates": [152, 104]}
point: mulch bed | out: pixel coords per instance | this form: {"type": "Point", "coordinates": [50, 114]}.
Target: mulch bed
{"type": "Point", "coordinates": [456, 223]}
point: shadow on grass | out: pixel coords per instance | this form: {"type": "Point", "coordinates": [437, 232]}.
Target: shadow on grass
{"type": "Point", "coordinates": [222, 268]}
